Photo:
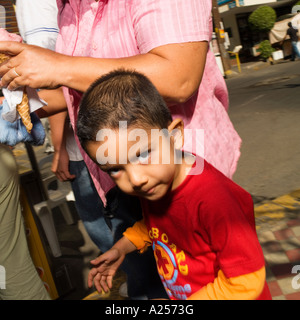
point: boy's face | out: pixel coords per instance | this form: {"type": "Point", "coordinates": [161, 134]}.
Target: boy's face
{"type": "Point", "coordinates": [140, 161]}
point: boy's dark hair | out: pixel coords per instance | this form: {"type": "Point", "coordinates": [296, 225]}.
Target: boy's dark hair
{"type": "Point", "coordinates": [120, 95]}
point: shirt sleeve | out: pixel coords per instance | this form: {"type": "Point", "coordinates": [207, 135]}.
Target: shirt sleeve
{"type": "Point", "coordinates": [37, 22]}
{"type": "Point", "coordinates": [244, 287]}
{"type": "Point", "coordinates": [162, 22]}
{"type": "Point", "coordinates": [138, 235]}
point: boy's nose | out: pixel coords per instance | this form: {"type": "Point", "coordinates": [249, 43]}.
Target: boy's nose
{"type": "Point", "coordinates": [137, 177]}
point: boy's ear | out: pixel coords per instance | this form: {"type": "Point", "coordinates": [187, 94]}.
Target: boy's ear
{"type": "Point", "coordinates": [176, 131]}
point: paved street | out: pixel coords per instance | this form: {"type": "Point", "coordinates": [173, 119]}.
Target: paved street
{"type": "Point", "coordinates": [265, 110]}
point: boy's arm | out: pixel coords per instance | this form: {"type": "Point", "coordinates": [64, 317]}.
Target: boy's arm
{"type": "Point", "coordinates": [244, 287]}
{"type": "Point", "coordinates": [57, 112]}
{"type": "Point", "coordinates": [138, 235]}
{"type": "Point", "coordinates": [108, 263]}
{"type": "Point", "coordinates": [56, 102]}
{"type": "Point", "coordinates": [60, 163]}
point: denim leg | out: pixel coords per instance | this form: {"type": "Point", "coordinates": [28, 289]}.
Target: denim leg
{"type": "Point", "coordinates": [90, 207]}
{"type": "Point", "coordinates": [295, 50]}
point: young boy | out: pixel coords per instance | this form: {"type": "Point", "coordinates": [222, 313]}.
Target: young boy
{"type": "Point", "coordinates": [200, 224]}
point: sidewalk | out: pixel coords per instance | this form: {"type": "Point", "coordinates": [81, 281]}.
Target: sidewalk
{"type": "Point", "coordinates": [278, 229]}
{"type": "Point", "coordinates": [250, 67]}
{"type": "Point", "coordinates": [278, 225]}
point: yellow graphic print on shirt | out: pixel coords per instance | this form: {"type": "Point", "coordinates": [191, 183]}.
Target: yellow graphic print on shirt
{"type": "Point", "coordinates": [170, 264]}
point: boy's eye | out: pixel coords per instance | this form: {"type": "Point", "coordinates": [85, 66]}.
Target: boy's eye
{"type": "Point", "coordinates": [144, 156]}
{"type": "Point", "coordinates": [113, 172]}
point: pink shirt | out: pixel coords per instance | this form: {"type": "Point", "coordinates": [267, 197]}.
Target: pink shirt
{"type": "Point", "coordinates": [120, 28]}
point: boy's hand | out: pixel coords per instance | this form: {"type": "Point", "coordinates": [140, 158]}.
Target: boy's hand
{"type": "Point", "coordinates": [106, 266]}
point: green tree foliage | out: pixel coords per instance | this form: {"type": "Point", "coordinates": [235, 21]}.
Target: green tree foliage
{"type": "Point", "coordinates": [265, 49]}
{"type": "Point", "coordinates": [262, 19]}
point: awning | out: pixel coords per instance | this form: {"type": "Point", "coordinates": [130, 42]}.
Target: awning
{"type": "Point", "coordinates": [280, 27]}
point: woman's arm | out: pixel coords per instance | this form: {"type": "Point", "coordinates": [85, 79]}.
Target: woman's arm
{"type": "Point", "coordinates": [175, 69]}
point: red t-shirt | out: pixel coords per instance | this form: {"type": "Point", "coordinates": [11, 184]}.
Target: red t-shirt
{"type": "Point", "coordinates": [204, 225]}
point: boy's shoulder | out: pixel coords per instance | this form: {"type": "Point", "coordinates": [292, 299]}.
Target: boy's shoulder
{"type": "Point", "coordinates": [212, 184]}
{"type": "Point", "coordinates": [206, 175]}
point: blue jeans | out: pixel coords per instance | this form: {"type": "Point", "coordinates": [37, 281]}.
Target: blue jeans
{"type": "Point", "coordinates": [106, 225]}
{"type": "Point", "coordinates": [295, 50]}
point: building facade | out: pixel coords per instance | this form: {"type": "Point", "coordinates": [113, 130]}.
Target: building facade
{"type": "Point", "coordinates": [7, 16]}
{"type": "Point", "coordinates": [234, 15]}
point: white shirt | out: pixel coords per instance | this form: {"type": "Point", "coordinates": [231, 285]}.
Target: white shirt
{"type": "Point", "coordinates": [37, 22]}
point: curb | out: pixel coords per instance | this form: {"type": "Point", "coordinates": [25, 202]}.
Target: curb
{"type": "Point", "coordinates": [249, 67]}
{"type": "Point", "coordinates": [273, 214]}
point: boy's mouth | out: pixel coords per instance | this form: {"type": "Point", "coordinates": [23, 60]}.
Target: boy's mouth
{"type": "Point", "coordinates": [147, 192]}
{"type": "Point", "coordinates": [150, 190]}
